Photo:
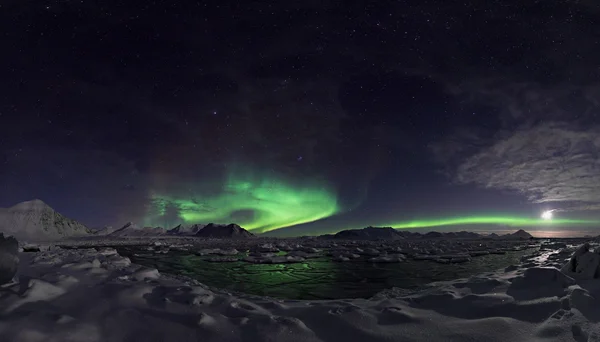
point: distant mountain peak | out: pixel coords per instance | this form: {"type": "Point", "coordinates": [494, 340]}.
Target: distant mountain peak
{"type": "Point", "coordinates": [35, 220]}
{"type": "Point", "coordinates": [231, 230]}
{"type": "Point", "coordinates": [132, 229]}
{"type": "Point", "coordinates": [389, 233]}
{"type": "Point", "coordinates": [181, 229]}
{"type": "Point", "coordinates": [521, 234]}
{"type": "Point", "coordinates": [369, 233]}
{"type": "Point", "coordinates": [30, 205]}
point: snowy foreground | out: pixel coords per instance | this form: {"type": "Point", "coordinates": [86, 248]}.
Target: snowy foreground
{"type": "Point", "coordinates": [96, 295]}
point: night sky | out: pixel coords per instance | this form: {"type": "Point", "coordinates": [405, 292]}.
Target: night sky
{"type": "Point", "coordinates": [313, 115]}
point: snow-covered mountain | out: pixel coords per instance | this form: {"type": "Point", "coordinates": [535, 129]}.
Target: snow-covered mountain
{"type": "Point", "coordinates": [131, 229]}
{"type": "Point", "coordinates": [103, 231]}
{"type": "Point", "coordinates": [35, 220]}
{"type": "Point", "coordinates": [375, 233]}
{"type": "Point", "coordinates": [185, 230]}
{"type": "Point", "coordinates": [230, 231]}
{"type": "Point", "coordinates": [519, 234]}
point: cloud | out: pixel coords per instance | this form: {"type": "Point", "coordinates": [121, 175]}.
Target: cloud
{"type": "Point", "coordinates": [542, 138]}
{"type": "Point", "coordinates": [554, 163]}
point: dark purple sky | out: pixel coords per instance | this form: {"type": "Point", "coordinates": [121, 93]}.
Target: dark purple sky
{"type": "Point", "coordinates": [408, 109]}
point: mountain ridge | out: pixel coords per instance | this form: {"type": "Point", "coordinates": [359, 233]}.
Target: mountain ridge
{"type": "Point", "coordinates": [375, 233]}
{"type": "Point", "coordinates": [231, 230]}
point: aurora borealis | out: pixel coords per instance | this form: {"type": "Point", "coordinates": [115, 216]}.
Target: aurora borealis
{"type": "Point", "coordinates": [492, 220]}
{"type": "Point", "coordinates": [259, 204]}
{"type": "Point", "coordinates": [304, 118]}
{"type": "Point", "coordinates": [262, 202]}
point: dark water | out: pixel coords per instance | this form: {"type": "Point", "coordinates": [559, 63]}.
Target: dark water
{"type": "Point", "coordinates": [318, 278]}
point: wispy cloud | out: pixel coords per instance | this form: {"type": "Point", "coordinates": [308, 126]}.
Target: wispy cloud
{"type": "Point", "coordinates": [548, 163]}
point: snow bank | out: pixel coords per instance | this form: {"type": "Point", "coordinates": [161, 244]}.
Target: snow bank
{"type": "Point", "coordinates": [97, 295]}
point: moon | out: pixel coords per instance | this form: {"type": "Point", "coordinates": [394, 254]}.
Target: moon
{"type": "Point", "coordinates": [547, 215]}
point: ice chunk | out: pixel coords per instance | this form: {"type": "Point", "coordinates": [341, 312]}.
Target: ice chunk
{"type": "Point", "coordinates": [9, 260]}
{"type": "Point", "coordinates": [146, 273]}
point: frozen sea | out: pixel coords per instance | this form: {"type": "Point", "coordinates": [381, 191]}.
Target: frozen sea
{"type": "Point", "coordinates": [316, 278]}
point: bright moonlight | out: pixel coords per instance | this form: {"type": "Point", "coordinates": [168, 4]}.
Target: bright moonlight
{"type": "Point", "coordinates": [547, 215]}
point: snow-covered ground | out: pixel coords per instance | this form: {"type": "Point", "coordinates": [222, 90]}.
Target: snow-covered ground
{"type": "Point", "coordinates": [96, 295]}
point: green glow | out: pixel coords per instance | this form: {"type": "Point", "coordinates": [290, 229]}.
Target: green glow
{"type": "Point", "coordinates": [259, 204]}
{"type": "Point", "coordinates": [500, 220]}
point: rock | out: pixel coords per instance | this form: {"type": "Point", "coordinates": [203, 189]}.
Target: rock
{"type": "Point", "coordinates": [31, 248]}
{"type": "Point", "coordinates": [587, 265]}
{"type": "Point", "coordinates": [583, 264]}
{"type": "Point", "coordinates": [9, 258]}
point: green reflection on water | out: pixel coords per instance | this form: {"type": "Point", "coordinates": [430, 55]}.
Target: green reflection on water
{"type": "Point", "coordinates": [318, 278]}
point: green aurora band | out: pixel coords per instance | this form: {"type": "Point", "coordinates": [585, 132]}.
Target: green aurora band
{"type": "Point", "coordinates": [498, 220]}
{"type": "Point", "coordinates": [261, 202]}
{"type": "Point", "coordinates": [257, 204]}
